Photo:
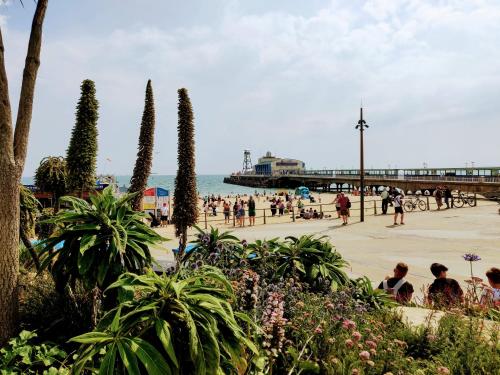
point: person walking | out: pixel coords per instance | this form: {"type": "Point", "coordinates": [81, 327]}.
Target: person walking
{"type": "Point", "coordinates": [251, 211]}
{"type": "Point", "coordinates": [336, 202]}
{"type": "Point", "coordinates": [398, 209]}
{"type": "Point", "coordinates": [438, 195]}
{"type": "Point", "coordinates": [227, 210]}
{"type": "Point", "coordinates": [447, 196]}
{"type": "Point", "coordinates": [164, 215]}
{"type": "Point", "coordinates": [385, 201]}
{"type": "Point", "coordinates": [344, 209]}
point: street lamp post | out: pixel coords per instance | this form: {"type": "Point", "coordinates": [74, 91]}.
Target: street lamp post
{"type": "Point", "coordinates": [361, 126]}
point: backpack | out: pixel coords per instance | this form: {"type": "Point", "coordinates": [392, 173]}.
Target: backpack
{"type": "Point", "coordinates": [394, 290]}
{"type": "Point", "coordinates": [348, 204]}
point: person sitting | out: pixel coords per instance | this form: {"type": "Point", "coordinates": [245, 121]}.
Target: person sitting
{"type": "Point", "coordinates": [443, 292]}
{"type": "Point", "coordinates": [397, 286]}
{"type": "Point", "coordinates": [491, 296]}
{"type": "Point", "coordinates": [315, 215]}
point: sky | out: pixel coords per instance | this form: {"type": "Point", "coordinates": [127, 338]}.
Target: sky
{"type": "Point", "coordinates": [286, 76]}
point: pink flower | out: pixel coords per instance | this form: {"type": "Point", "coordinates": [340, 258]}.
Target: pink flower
{"type": "Point", "coordinates": [356, 336]}
{"type": "Point", "coordinates": [364, 355]}
{"type": "Point", "coordinates": [443, 370]}
{"type": "Point", "coordinates": [318, 330]}
{"type": "Point", "coordinates": [348, 324]}
{"type": "Point", "coordinates": [371, 344]}
{"type": "Point", "coordinates": [349, 343]}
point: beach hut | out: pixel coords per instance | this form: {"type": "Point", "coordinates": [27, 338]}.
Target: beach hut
{"type": "Point", "coordinates": [153, 200]}
{"type": "Point", "coordinates": [303, 192]}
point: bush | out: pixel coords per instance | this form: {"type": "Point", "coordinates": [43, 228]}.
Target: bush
{"type": "Point", "coordinates": [166, 325]}
{"type": "Point", "coordinates": [23, 356]}
{"type": "Point", "coordinates": [55, 317]}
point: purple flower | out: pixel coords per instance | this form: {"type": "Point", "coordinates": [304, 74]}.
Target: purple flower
{"type": "Point", "coordinates": [244, 243]}
{"type": "Point", "coordinates": [471, 257]}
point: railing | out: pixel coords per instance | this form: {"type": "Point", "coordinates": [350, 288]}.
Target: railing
{"type": "Point", "coordinates": [331, 173]}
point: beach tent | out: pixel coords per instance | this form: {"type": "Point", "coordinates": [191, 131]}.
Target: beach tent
{"type": "Point", "coordinates": [303, 192]}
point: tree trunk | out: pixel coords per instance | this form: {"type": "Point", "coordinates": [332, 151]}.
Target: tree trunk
{"type": "Point", "coordinates": [13, 148]}
{"type": "Point", "coordinates": [9, 251]}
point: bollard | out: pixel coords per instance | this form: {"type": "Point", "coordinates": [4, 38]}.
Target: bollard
{"type": "Point", "coordinates": [475, 200]}
{"type": "Point", "coordinates": [293, 214]}
{"type": "Point", "coordinates": [264, 216]}
{"type": "Point", "coordinates": [374, 207]}
{"type": "Point", "coordinates": [206, 226]}
{"type": "Point", "coordinates": [428, 206]}
{"type": "Point", "coordinates": [321, 208]}
{"type": "Point", "coordinates": [234, 219]}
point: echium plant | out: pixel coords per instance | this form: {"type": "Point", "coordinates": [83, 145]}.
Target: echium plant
{"type": "Point", "coordinates": [100, 240]}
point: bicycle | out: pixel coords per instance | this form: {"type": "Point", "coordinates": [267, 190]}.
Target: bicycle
{"type": "Point", "coordinates": [411, 205]}
{"type": "Point", "coordinates": [461, 199]}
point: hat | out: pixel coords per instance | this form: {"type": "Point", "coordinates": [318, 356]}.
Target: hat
{"type": "Point", "coordinates": [437, 268]}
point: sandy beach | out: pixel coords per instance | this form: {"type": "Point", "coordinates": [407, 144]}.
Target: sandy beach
{"type": "Point", "coordinates": [375, 246]}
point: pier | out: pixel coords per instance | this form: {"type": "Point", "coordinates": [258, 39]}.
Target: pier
{"type": "Point", "coordinates": [485, 181]}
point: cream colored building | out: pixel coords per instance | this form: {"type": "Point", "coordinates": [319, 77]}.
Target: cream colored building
{"type": "Point", "coordinates": [273, 165]}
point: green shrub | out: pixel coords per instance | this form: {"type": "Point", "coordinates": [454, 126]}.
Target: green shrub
{"type": "Point", "coordinates": [54, 316]}
{"type": "Point", "coordinates": [166, 325]}
{"type": "Point", "coordinates": [311, 260]}
{"type": "Point", "coordinates": [364, 292]}
{"type": "Point", "coordinates": [23, 356]}
{"type": "Point", "coordinates": [100, 241]}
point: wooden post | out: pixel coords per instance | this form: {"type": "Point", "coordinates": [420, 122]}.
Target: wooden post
{"type": "Point", "coordinates": [374, 207]}
{"type": "Point", "coordinates": [206, 224]}
{"type": "Point", "coordinates": [320, 208]}
{"type": "Point", "coordinates": [428, 206]}
{"type": "Point", "coordinates": [475, 200]}
{"type": "Point", "coordinates": [264, 215]}
{"type": "Point", "coordinates": [293, 214]}
{"type": "Point", "coordinates": [234, 219]}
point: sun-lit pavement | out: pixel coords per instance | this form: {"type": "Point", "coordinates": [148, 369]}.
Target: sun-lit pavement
{"type": "Point", "coordinates": [375, 246]}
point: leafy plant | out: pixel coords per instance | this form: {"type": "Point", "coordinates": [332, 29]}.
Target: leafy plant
{"type": "Point", "coordinates": [22, 356]}
{"type": "Point", "coordinates": [214, 247]}
{"type": "Point", "coordinates": [185, 196]}
{"type": "Point", "coordinates": [375, 298]}
{"type": "Point", "coordinates": [144, 161]}
{"type": "Point", "coordinates": [29, 206]}
{"type": "Point", "coordinates": [51, 176]}
{"type": "Point", "coordinates": [312, 260]}
{"type": "Point", "coordinates": [100, 241]}
{"type": "Point", "coordinates": [166, 325]}
{"type": "Point", "coordinates": [82, 150]}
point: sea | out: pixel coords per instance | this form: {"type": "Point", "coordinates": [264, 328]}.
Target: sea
{"type": "Point", "coordinates": [205, 184]}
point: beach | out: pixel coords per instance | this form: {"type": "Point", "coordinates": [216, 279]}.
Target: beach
{"type": "Point", "coordinates": [374, 247]}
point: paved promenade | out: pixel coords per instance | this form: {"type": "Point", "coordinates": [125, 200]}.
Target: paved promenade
{"type": "Point", "coordinates": [374, 247]}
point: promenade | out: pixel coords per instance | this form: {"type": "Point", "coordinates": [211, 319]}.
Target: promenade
{"type": "Point", "coordinates": [375, 246]}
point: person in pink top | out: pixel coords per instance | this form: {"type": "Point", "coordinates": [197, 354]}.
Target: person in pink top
{"type": "Point", "coordinates": [343, 202]}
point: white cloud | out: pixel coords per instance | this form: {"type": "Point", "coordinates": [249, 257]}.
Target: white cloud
{"type": "Point", "coordinates": [286, 80]}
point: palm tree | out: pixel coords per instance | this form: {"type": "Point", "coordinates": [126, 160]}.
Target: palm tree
{"type": "Point", "coordinates": [144, 160]}
{"type": "Point", "coordinates": [185, 212]}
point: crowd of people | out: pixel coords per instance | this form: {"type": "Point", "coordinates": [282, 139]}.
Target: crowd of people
{"type": "Point", "coordinates": [444, 292]}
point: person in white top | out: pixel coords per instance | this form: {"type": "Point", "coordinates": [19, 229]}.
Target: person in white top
{"type": "Point", "coordinates": [385, 201]}
{"type": "Point", "coordinates": [491, 296]}
{"type": "Point", "coordinates": [164, 214]}
{"type": "Point", "coordinates": [398, 209]}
